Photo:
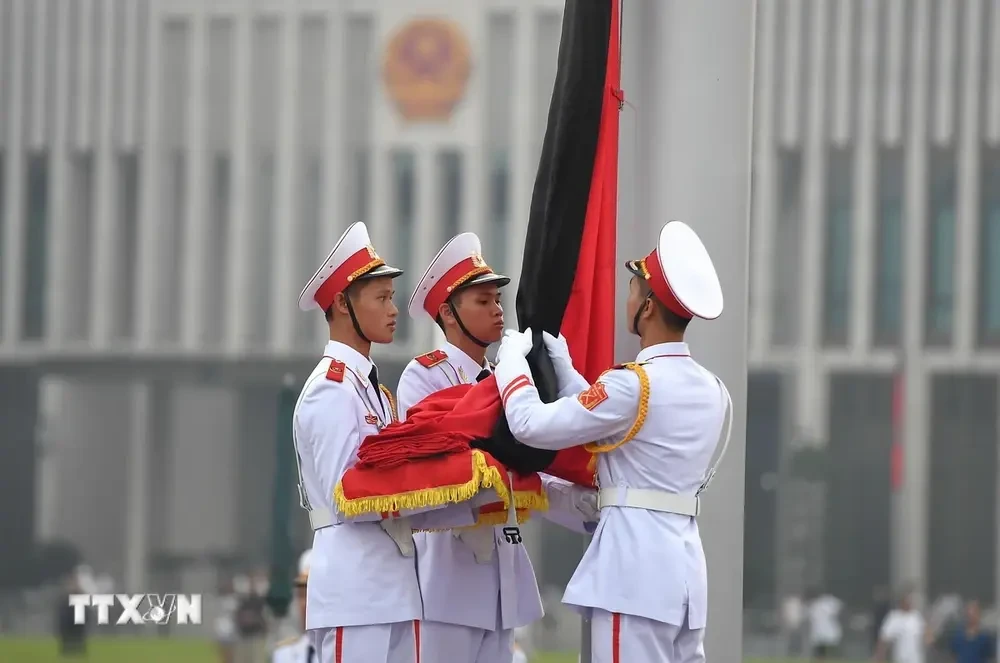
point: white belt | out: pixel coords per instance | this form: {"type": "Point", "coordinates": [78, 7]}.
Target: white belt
{"type": "Point", "coordinates": [320, 518]}
{"type": "Point", "coordinates": [397, 528]}
{"type": "Point", "coordinates": [649, 499]}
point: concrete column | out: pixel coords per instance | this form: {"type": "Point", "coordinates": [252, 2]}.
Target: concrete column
{"type": "Point", "coordinates": [253, 457]}
{"type": "Point", "coordinates": [697, 120]}
{"type": "Point", "coordinates": [202, 452]}
{"type": "Point", "coordinates": [18, 421]}
{"type": "Point", "coordinates": [137, 523]}
{"type": "Point", "coordinates": [85, 433]}
{"type": "Point", "coordinates": [909, 548]}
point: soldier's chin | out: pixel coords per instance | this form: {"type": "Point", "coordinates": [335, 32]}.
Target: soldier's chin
{"type": "Point", "coordinates": [384, 336]}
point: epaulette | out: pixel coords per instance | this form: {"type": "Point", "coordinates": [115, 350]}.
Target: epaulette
{"type": "Point", "coordinates": [641, 411]}
{"type": "Point", "coordinates": [432, 358]}
{"type": "Point", "coordinates": [336, 371]}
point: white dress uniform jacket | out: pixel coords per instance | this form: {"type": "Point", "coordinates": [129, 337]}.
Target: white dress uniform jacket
{"type": "Point", "coordinates": [358, 575]}
{"type": "Point", "coordinates": [641, 562]}
{"type": "Point", "coordinates": [498, 591]}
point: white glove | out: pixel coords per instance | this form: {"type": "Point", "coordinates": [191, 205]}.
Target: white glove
{"type": "Point", "coordinates": [570, 380]}
{"type": "Point", "coordinates": [570, 505]}
{"type": "Point", "coordinates": [515, 343]}
{"type": "Point", "coordinates": [585, 501]}
{"type": "Point", "coordinates": [511, 362]}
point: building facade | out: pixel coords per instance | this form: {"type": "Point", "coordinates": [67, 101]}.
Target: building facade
{"type": "Point", "coordinates": [875, 290]}
{"type": "Point", "coordinates": [173, 171]}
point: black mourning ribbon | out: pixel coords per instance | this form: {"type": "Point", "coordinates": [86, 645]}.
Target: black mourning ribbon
{"type": "Point", "coordinates": [501, 444]}
{"type": "Point", "coordinates": [373, 378]}
{"type": "Point", "coordinates": [483, 374]}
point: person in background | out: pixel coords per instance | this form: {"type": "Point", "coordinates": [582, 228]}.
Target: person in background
{"type": "Point", "coordinates": [825, 632]}
{"type": "Point", "coordinates": [225, 623]}
{"type": "Point", "coordinates": [792, 621]}
{"type": "Point", "coordinates": [881, 606]}
{"type": "Point", "coordinates": [72, 636]}
{"type": "Point", "coordinates": [904, 632]}
{"type": "Point", "coordinates": [299, 648]}
{"type": "Point", "coordinates": [969, 643]}
{"type": "Point", "coordinates": [251, 622]}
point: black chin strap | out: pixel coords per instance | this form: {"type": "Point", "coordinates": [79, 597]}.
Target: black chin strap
{"type": "Point", "coordinates": [461, 326]}
{"type": "Point", "coordinates": [354, 320]}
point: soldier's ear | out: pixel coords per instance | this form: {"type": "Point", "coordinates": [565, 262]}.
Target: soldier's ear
{"type": "Point", "coordinates": [340, 303]}
{"type": "Point", "coordinates": [445, 312]}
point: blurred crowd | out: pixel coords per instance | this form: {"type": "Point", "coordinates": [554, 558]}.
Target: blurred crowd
{"type": "Point", "coordinates": [952, 629]}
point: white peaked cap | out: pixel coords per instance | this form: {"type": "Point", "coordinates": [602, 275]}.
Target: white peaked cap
{"type": "Point", "coordinates": [353, 258]}
{"type": "Point", "coordinates": [459, 264]}
{"type": "Point", "coordinates": [681, 273]}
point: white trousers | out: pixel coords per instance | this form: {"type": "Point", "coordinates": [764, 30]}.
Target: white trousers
{"type": "Point", "coordinates": [450, 643]}
{"type": "Point", "coordinates": [617, 638]}
{"type": "Point", "coordinates": [379, 643]}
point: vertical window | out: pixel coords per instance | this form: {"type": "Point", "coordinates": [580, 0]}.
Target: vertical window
{"type": "Point", "coordinates": [356, 99]}
{"type": "Point", "coordinates": [219, 121]}
{"type": "Point", "coordinates": [80, 229]}
{"type": "Point", "coordinates": [989, 243]}
{"type": "Point", "coordinates": [174, 197]}
{"type": "Point", "coordinates": [940, 296]}
{"type": "Point", "coordinates": [175, 86]}
{"type": "Point", "coordinates": [310, 192]}
{"type": "Point", "coordinates": [264, 127]}
{"type": "Point", "coordinates": [3, 218]}
{"type": "Point", "coordinates": [127, 209]}
{"type": "Point", "coordinates": [262, 206]}
{"type": "Point", "coordinates": [217, 234]}
{"type": "Point", "coordinates": [787, 249]}
{"type": "Point", "coordinates": [889, 249]}
{"type": "Point", "coordinates": [361, 177]}
{"type": "Point", "coordinates": [404, 189]}
{"type": "Point", "coordinates": [499, 210]}
{"type": "Point", "coordinates": [449, 167]}
{"type": "Point", "coordinates": [547, 54]}
{"type": "Point", "coordinates": [36, 211]}
{"type": "Point", "coordinates": [499, 95]}
{"type": "Point", "coordinates": [837, 262]}
{"type": "Point", "coordinates": [309, 172]}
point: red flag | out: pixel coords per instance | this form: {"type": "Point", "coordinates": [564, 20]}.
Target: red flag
{"type": "Point", "coordinates": [589, 321]}
{"type": "Point", "coordinates": [567, 285]}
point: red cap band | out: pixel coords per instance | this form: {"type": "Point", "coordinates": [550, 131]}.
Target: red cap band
{"type": "Point", "coordinates": [469, 268]}
{"type": "Point", "coordinates": [661, 287]}
{"type": "Point", "coordinates": [359, 264]}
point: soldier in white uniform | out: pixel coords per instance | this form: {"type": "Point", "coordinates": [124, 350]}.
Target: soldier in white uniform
{"type": "Point", "coordinates": [656, 424]}
{"type": "Point", "coordinates": [477, 587]}
{"type": "Point", "coordinates": [363, 599]}
{"type": "Point", "coordinates": [298, 649]}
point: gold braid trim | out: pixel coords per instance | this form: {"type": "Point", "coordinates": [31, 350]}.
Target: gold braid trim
{"type": "Point", "coordinates": [369, 266]}
{"type": "Point", "coordinates": [484, 476]}
{"type": "Point", "coordinates": [392, 402]}
{"type": "Point", "coordinates": [640, 417]}
{"type": "Point", "coordinates": [478, 271]}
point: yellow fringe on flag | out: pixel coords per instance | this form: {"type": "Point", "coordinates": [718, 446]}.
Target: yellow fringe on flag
{"type": "Point", "coordinates": [484, 476]}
